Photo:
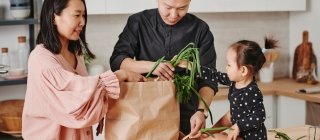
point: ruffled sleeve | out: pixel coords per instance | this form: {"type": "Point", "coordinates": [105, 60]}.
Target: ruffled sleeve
{"type": "Point", "coordinates": [111, 83]}
{"type": "Point", "coordinates": [75, 101]}
{"type": "Point", "coordinates": [69, 99]}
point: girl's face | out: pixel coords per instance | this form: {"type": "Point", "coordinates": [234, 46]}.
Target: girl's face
{"type": "Point", "coordinates": [71, 20]}
{"type": "Point", "coordinates": [234, 72]}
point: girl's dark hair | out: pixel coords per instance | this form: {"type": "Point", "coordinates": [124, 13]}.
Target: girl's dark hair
{"type": "Point", "coordinates": [250, 54]}
{"type": "Point", "coordinates": [48, 34]}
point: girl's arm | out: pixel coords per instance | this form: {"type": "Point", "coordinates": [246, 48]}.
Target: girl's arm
{"type": "Point", "coordinates": [214, 76]}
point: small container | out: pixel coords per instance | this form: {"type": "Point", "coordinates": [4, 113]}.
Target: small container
{"type": "Point", "coordinates": [16, 72]}
{"type": "Point", "coordinates": [23, 52]}
{"type": "Point", "coordinates": [20, 9]}
{"type": "Point", "coordinates": [266, 74]}
{"type": "Point", "coordinates": [5, 60]}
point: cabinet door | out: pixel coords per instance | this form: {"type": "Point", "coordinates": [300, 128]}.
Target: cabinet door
{"type": "Point", "coordinates": [270, 105]}
{"type": "Point", "coordinates": [286, 5]}
{"type": "Point", "coordinates": [245, 5]}
{"type": "Point", "coordinates": [291, 112]}
{"type": "Point", "coordinates": [96, 7]}
{"type": "Point", "coordinates": [129, 6]}
{"type": "Point", "coordinates": [198, 6]}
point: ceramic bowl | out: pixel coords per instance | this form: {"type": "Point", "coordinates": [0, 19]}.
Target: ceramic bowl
{"type": "Point", "coordinates": [20, 13]}
{"type": "Point", "coordinates": [20, 9]}
{"type": "Point", "coordinates": [16, 72]}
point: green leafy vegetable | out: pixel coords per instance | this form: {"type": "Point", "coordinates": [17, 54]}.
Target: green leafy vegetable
{"type": "Point", "coordinates": [185, 83]}
{"type": "Point", "coordinates": [208, 130]}
{"type": "Point", "coordinates": [280, 135]}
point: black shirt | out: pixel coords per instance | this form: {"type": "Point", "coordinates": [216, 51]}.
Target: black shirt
{"type": "Point", "coordinates": [147, 37]}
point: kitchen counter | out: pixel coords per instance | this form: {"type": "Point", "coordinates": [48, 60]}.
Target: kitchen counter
{"type": "Point", "coordinates": [281, 87]}
{"type": "Point", "coordinates": [306, 131]}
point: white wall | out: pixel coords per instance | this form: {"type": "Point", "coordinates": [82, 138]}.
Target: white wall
{"type": "Point", "coordinates": [103, 31]}
{"type": "Point", "coordinates": [310, 21]}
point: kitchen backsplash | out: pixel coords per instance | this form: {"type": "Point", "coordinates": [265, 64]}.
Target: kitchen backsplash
{"type": "Point", "coordinates": [103, 31]}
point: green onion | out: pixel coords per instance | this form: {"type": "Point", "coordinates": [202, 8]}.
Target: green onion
{"type": "Point", "coordinates": [207, 130]}
{"type": "Point", "coordinates": [280, 135]}
{"type": "Point", "coordinates": [185, 83]}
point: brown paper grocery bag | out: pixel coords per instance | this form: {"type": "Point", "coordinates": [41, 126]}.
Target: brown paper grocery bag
{"type": "Point", "coordinates": [144, 111]}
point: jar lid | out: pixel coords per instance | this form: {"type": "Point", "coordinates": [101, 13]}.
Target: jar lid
{"type": "Point", "coordinates": [4, 50]}
{"type": "Point", "coordinates": [22, 39]}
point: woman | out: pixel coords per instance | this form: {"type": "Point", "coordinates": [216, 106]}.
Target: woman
{"type": "Point", "coordinates": [62, 102]}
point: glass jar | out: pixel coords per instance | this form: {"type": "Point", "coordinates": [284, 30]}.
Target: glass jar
{"type": "Point", "coordinates": [5, 60]}
{"type": "Point", "coordinates": [23, 52]}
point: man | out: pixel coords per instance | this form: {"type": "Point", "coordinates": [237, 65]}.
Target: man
{"type": "Point", "coordinates": [165, 31]}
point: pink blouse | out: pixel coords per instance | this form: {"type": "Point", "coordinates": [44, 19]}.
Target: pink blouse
{"type": "Point", "coordinates": [62, 103]}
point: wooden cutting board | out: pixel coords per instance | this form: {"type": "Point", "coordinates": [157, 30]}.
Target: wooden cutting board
{"type": "Point", "coordinates": [305, 131]}
{"type": "Point", "coordinates": [304, 56]}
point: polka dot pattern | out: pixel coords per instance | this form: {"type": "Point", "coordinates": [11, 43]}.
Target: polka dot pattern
{"type": "Point", "coordinates": [246, 106]}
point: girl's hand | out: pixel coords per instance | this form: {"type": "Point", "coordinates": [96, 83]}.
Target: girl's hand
{"type": "Point", "coordinates": [129, 76]}
{"type": "Point", "coordinates": [197, 122]}
{"type": "Point", "coordinates": [164, 71]}
{"type": "Point", "coordinates": [234, 132]}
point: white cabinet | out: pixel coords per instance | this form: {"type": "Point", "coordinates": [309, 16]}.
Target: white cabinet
{"type": "Point", "coordinates": [96, 7]}
{"type": "Point", "coordinates": [281, 111]}
{"type": "Point", "coordinates": [129, 6]}
{"type": "Point", "coordinates": [207, 6]}
{"type": "Point", "coordinates": [270, 105]}
{"type": "Point", "coordinates": [245, 5]}
{"type": "Point", "coordinates": [291, 112]}
{"type": "Point", "coordinates": [203, 6]}
{"type": "Point", "coordinates": [196, 6]}
{"type": "Point", "coordinates": [220, 107]}
{"type": "Point", "coordinates": [286, 5]}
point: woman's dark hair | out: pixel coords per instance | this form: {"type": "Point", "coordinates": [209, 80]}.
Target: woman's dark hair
{"type": "Point", "coordinates": [250, 54]}
{"type": "Point", "coordinates": [48, 34]}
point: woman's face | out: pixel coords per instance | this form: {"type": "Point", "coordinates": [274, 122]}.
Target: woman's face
{"type": "Point", "coordinates": [233, 71]}
{"type": "Point", "coordinates": [71, 20]}
{"type": "Point", "coordinates": [172, 11]}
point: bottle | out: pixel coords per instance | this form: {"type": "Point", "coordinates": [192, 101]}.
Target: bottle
{"type": "Point", "coordinates": [5, 60]}
{"type": "Point", "coordinates": [23, 52]}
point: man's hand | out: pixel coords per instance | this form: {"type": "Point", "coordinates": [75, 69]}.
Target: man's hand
{"type": "Point", "coordinates": [197, 122]}
{"type": "Point", "coordinates": [234, 132]}
{"type": "Point", "coordinates": [164, 71]}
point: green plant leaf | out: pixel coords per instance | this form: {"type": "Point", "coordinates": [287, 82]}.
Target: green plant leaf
{"type": "Point", "coordinates": [185, 83]}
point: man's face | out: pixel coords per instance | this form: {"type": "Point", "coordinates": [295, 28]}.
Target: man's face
{"type": "Point", "coordinates": [172, 11]}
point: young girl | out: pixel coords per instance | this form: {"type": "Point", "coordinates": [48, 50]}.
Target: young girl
{"type": "Point", "coordinates": [247, 114]}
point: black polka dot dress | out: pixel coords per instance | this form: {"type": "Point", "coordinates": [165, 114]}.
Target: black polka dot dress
{"type": "Point", "coordinates": [246, 106]}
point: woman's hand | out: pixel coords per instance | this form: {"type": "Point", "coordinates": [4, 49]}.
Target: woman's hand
{"type": "Point", "coordinates": [197, 122]}
{"type": "Point", "coordinates": [129, 76]}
